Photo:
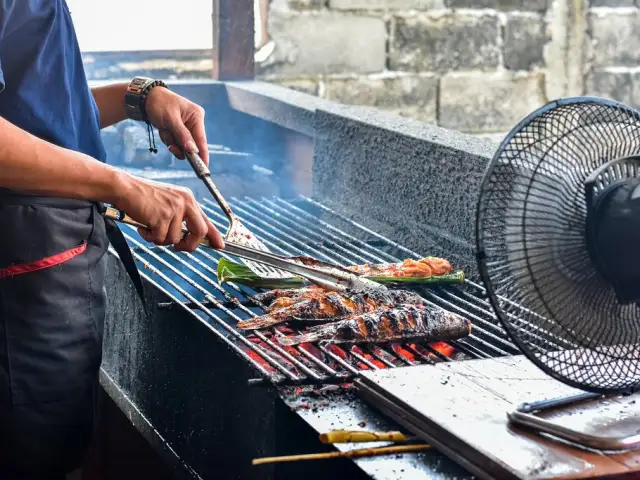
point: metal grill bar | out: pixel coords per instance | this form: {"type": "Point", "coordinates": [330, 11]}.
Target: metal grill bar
{"type": "Point", "coordinates": [147, 265]}
{"type": "Point", "coordinates": [219, 305]}
{"type": "Point", "coordinates": [302, 350]}
{"type": "Point", "coordinates": [170, 267]}
{"type": "Point", "coordinates": [294, 228]}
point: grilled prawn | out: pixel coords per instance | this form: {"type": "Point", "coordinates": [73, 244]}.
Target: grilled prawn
{"type": "Point", "coordinates": [425, 267]}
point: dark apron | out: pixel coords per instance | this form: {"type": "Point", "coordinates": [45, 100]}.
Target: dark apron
{"type": "Point", "coordinates": [52, 309]}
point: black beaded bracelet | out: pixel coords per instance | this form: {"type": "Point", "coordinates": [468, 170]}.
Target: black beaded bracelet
{"type": "Point", "coordinates": [135, 103]}
{"type": "Point", "coordinates": [145, 93]}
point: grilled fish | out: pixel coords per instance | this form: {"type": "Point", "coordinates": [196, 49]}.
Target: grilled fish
{"type": "Point", "coordinates": [331, 306]}
{"type": "Point", "coordinates": [389, 324]}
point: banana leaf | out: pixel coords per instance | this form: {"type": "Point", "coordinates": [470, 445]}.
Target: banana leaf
{"type": "Point", "coordinates": [239, 273]}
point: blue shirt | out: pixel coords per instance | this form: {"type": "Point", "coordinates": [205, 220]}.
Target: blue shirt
{"type": "Point", "coordinates": [43, 85]}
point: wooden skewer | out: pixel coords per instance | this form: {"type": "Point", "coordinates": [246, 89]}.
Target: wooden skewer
{"type": "Point", "coordinates": [361, 452]}
{"type": "Point", "coordinates": [357, 436]}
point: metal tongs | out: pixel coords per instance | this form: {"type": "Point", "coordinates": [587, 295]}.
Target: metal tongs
{"type": "Point", "coordinates": [326, 275]}
{"type": "Point", "coordinates": [237, 233]}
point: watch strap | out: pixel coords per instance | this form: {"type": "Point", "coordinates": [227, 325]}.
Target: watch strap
{"type": "Point", "coordinates": [136, 95]}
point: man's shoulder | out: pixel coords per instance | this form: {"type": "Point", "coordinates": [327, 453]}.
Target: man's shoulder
{"type": "Point", "coordinates": [14, 14]}
{"type": "Point", "coordinates": [29, 7]}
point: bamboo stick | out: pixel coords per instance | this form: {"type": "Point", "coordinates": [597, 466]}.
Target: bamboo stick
{"type": "Point", "coordinates": [358, 436]}
{"type": "Point", "coordinates": [362, 452]}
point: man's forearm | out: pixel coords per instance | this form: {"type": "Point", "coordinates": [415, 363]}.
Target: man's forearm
{"type": "Point", "coordinates": [34, 166]}
{"type": "Point", "coordinates": [110, 101]}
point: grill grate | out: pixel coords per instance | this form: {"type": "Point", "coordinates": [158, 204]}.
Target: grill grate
{"type": "Point", "coordinates": [306, 227]}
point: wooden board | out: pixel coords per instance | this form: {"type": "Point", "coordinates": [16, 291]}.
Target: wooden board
{"type": "Point", "coordinates": [461, 409]}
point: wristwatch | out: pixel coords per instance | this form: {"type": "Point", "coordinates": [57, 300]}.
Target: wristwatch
{"type": "Point", "coordinates": [136, 95]}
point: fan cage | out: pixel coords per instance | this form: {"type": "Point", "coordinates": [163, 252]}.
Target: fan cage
{"type": "Point", "coordinates": [531, 246]}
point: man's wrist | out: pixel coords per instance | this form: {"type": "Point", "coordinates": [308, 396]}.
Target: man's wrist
{"type": "Point", "coordinates": [136, 95]}
{"type": "Point", "coordinates": [117, 183]}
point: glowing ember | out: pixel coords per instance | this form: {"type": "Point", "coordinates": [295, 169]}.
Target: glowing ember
{"type": "Point", "coordinates": [369, 357]}
{"type": "Point", "coordinates": [259, 360]}
{"type": "Point", "coordinates": [386, 356]}
{"type": "Point", "coordinates": [313, 350]}
{"type": "Point", "coordinates": [273, 354]}
{"type": "Point", "coordinates": [336, 350]}
{"type": "Point", "coordinates": [443, 348]}
{"type": "Point", "coordinates": [403, 352]}
{"type": "Point", "coordinates": [292, 351]}
{"type": "Point", "coordinates": [362, 357]}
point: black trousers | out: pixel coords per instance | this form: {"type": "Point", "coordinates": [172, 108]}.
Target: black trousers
{"type": "Point", "coordinates": [52, 307]}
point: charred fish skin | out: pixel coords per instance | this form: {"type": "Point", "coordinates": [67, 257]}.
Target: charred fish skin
{"type": "Point", "coordinates": [397, 297]}
{"type": "Point", "coordinates": [280, 298]}
{"type": "Point", "coordinates": [332, 306]}
{"type": "Point", "coordinates": [329, 307]}
{"type": "Point", "coordinates": [269, 297]}
{"type": "Point", "coordinates": [389, 324]}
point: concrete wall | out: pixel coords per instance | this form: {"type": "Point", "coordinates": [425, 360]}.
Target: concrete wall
{"type": "Point", "coordinates": [471, 65]}
{"type": "Point", "coordinates": [476, 66]}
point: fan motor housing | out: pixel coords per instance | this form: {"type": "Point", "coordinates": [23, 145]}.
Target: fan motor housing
{"type": "Point", "coordinates": [613, 237]}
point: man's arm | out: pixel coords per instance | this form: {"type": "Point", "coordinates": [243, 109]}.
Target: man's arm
{"type": "Point", "coordinates": [180, 123]}
{"type": "Point", "coordinates": [110, 102]}
{"type": "Point", "coordinates": [35, 166]}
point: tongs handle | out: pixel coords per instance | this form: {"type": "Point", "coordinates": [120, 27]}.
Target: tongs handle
{"type": "Point", "coordinates": [204, 174]}
{"type": "Point", "coordinates": [120, 216]}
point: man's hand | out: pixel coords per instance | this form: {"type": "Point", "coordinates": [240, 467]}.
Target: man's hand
{"type": "Point", "coordinates": [164, 208]}
{"type": "Point", "coordinates": [179, 122]}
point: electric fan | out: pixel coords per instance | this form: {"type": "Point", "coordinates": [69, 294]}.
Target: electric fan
{"type": "Point", "coordinates": [558, 245]}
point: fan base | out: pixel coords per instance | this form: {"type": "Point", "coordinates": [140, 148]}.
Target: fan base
{"type": "Point", "coordinates": [522, 418]}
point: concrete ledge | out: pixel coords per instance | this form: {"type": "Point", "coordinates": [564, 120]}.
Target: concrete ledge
{"type": "Point", "coordinates": [285, 107]}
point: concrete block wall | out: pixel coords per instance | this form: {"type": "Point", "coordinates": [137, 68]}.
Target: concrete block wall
{"type": "Point", "coordinates": [475, 66]}
{"type": "Point", "coordinates": [614, 69]}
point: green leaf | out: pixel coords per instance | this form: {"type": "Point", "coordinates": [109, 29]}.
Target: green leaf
{"type": "Point", "coordinates": [239, 273]}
